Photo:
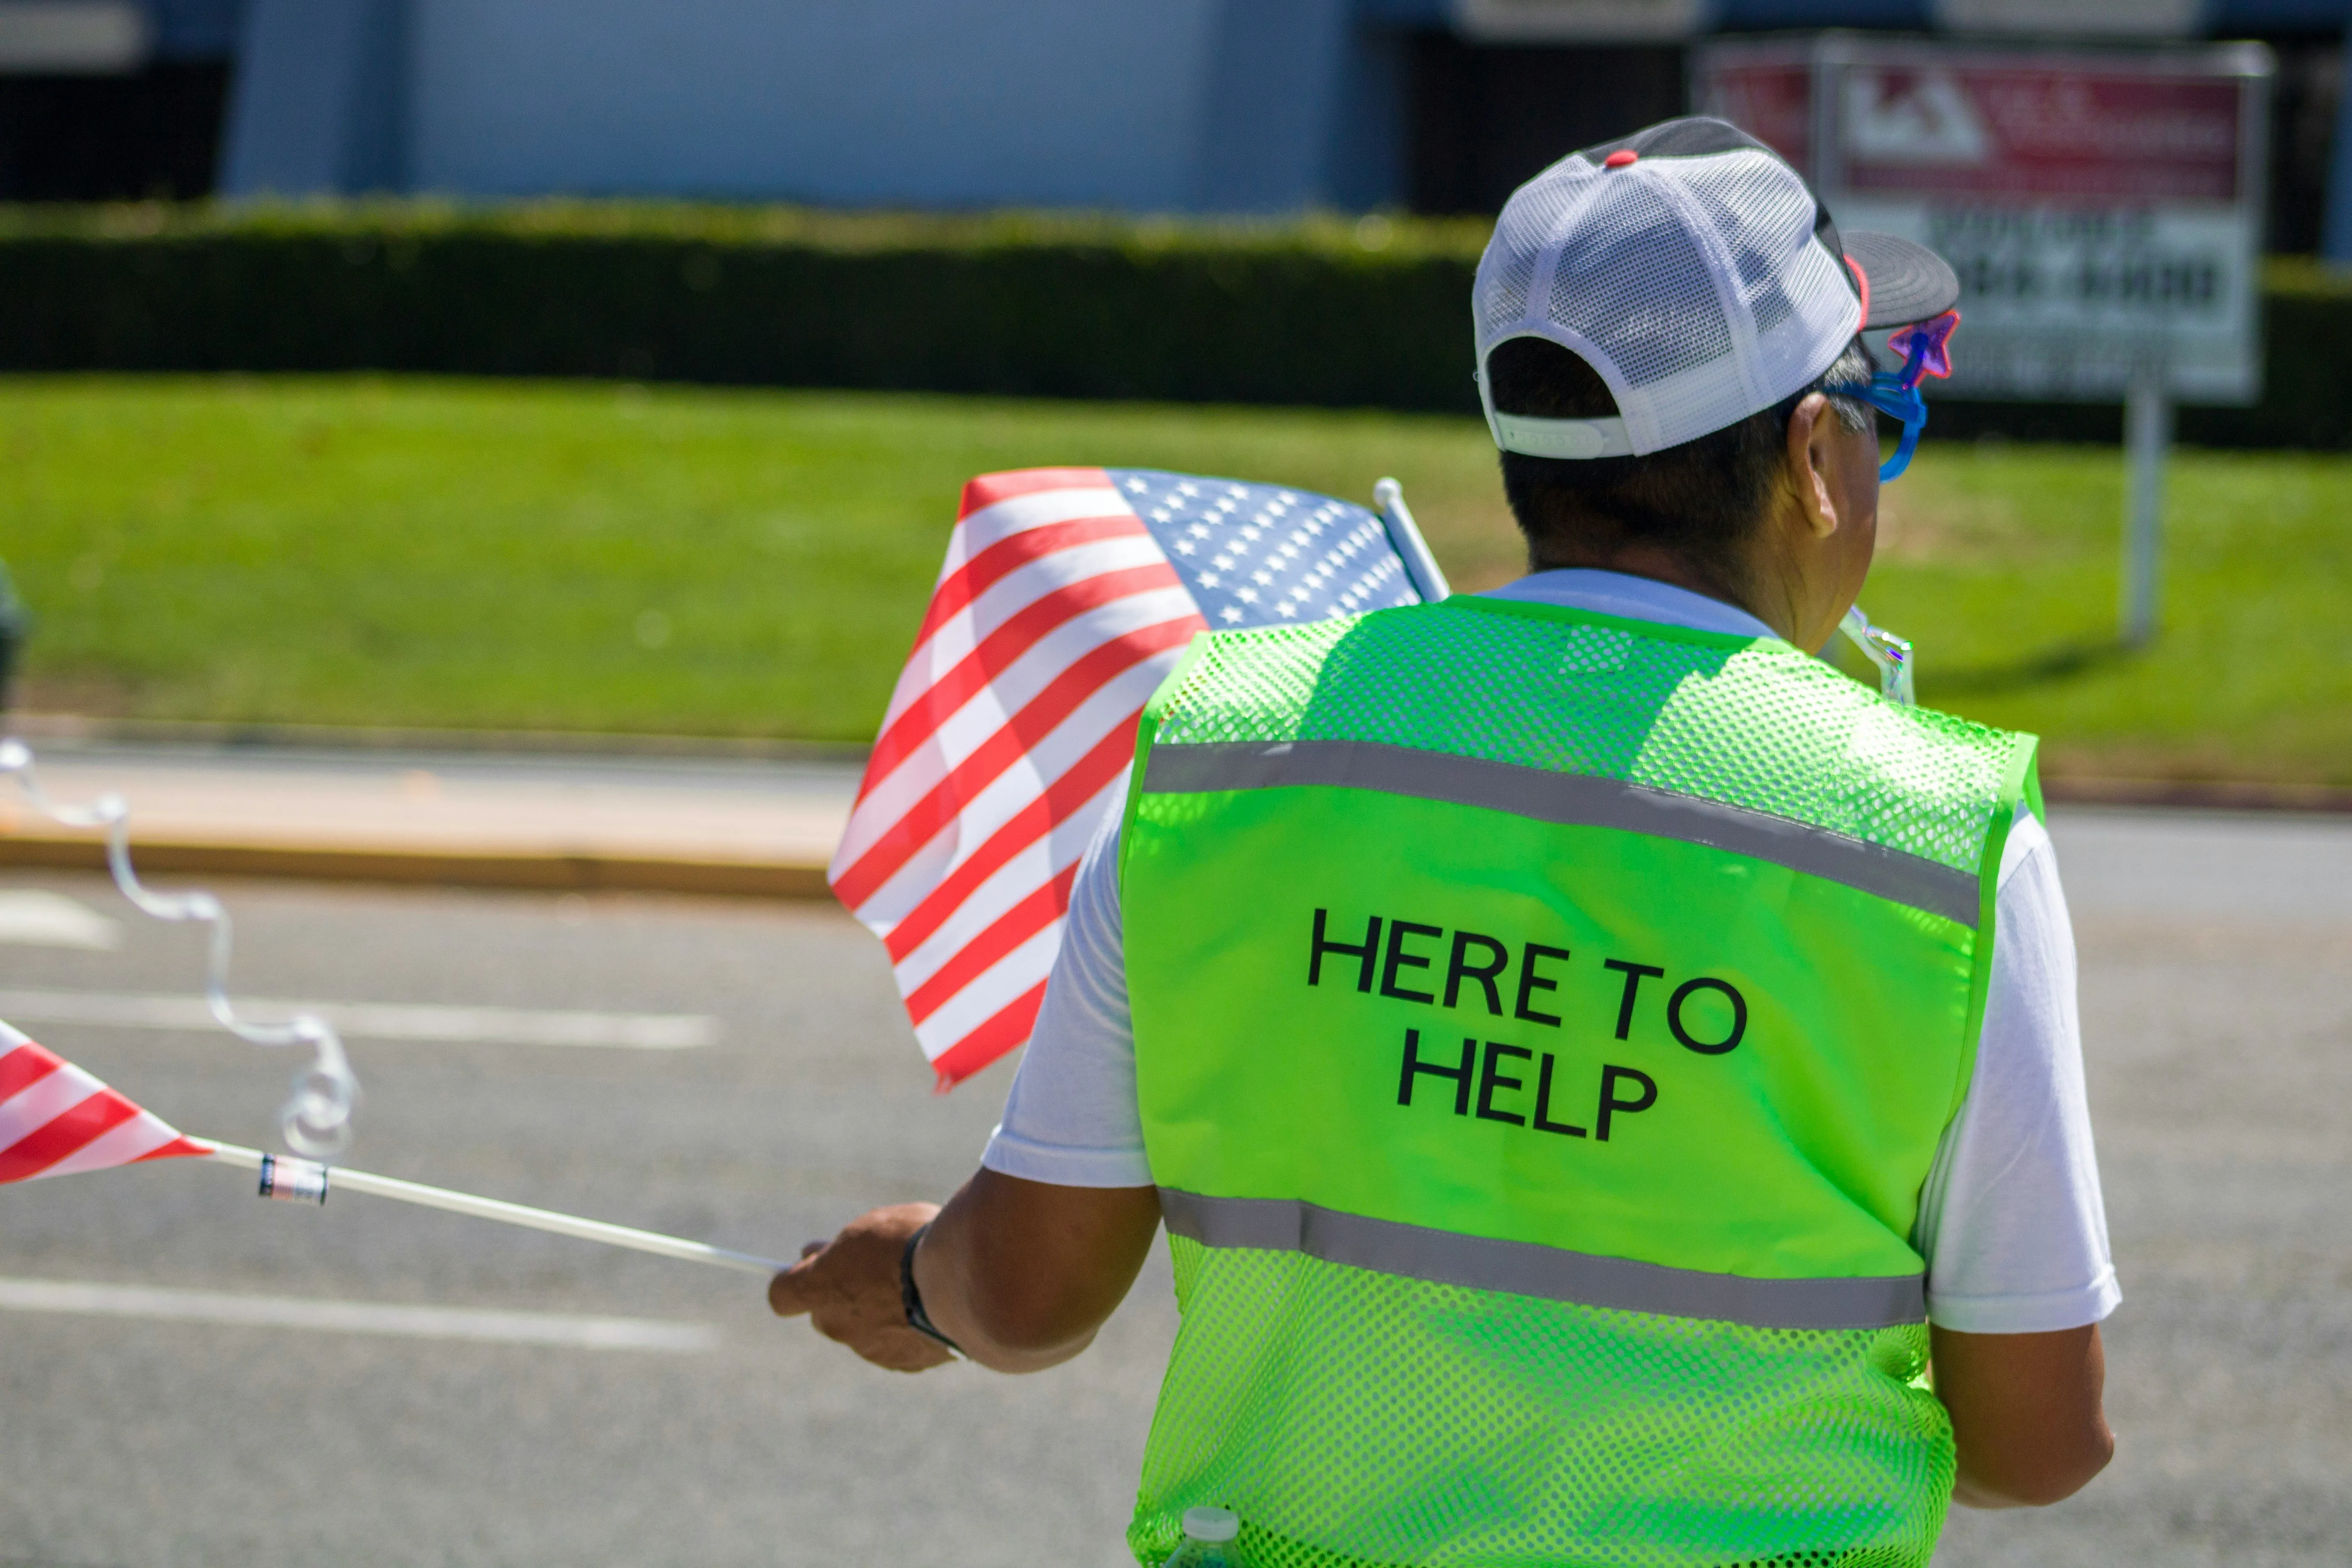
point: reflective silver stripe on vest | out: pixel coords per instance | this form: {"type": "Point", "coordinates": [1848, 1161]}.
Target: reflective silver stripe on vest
{"type": "Point", "coordinates": [1549, 1273]}
{"type": "Point", "coordinates": [1574, 800]}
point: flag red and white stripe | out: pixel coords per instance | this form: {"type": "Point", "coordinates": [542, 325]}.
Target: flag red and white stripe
{"type": "Point", "coordinates": [57, 1119]}
{"type": "Point", "coordinates": [1055, 617]}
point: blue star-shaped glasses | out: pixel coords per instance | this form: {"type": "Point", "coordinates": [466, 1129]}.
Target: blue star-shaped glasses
{"type": "Point", "coordinates": [1926, 350]}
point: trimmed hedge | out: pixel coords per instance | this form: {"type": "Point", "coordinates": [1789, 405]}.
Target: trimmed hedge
{"type": "Point", "coordinates": [1063, 307]}
{"type": "Point", "coordinates": [1319, 311]}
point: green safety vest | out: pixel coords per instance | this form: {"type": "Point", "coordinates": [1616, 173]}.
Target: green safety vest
{"type": "Point", "coordinates": [1544, 1025]}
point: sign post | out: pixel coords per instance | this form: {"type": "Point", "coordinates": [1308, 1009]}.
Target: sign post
{"type": "Point", "coordinates": [2104, 211]}
{"type": "Point", "coordinates": [2147, 442]}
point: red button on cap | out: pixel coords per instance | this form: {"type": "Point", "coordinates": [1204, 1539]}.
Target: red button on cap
{"type": "Point", "coordinates": [1621, 158]}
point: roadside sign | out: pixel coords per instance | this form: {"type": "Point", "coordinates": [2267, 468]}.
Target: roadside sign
{"type": "Point", "coordinates": [2104, 210]}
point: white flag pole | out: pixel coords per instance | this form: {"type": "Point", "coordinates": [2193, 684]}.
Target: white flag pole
{"type": "Point", "coordinates": [283, 1178]}
{"type": "Point", "coordinates": [1420, 564]}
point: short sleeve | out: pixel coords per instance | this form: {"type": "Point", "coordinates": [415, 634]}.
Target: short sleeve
{"type": "Point", "coordinates": [1071, 1119]}
{"type": "Point", "coordinates": [2012, 1221]}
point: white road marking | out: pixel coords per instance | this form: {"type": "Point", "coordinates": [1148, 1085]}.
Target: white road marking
{"type": "Point", "coordinates": [35, 917]}
{"type": "Point", "coordinates": [569, 1330]}
{"type": "Point", "coordinates": [375, 1020]}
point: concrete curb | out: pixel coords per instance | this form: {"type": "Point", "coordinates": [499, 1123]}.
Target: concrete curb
{"type": "Point", "coordinates": [584, 871]}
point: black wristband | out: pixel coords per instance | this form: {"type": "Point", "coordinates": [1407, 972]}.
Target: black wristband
{"type": "Point", "coordinates": [911, 1299]}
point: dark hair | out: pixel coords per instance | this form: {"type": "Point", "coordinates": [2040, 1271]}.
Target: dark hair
{"type": "Point", "coordinates": [1701, 501]}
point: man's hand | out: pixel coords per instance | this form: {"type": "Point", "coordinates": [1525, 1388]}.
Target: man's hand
{"type": "Point", "coordinates": [849, 1288]}
{"type": "Point", "coordinates": [1019, 1273]}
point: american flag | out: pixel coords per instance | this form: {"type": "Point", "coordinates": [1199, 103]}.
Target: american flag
{"type": "Point", "coordinates": [57, 1119]}
{"type": "Point", "coordinates": [1067, 596]}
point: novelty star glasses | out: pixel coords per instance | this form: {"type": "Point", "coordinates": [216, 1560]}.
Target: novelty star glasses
{"type": "Point", "coordinates": [1926, 350]}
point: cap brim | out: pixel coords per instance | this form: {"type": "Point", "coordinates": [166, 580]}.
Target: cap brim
{"type": "Point", "coordinates": [1908, 282]}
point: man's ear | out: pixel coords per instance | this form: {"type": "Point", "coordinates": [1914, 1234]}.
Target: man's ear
{"type": "Point", "coordinates": [1812, 429]}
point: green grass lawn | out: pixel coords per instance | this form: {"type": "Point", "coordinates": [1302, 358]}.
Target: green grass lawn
{"type": "Point", "coordinates": [697, 561]}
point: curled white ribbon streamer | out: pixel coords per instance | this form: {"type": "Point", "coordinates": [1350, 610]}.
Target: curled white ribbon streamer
{"type": "Point", "coordinates": [316, 1120]}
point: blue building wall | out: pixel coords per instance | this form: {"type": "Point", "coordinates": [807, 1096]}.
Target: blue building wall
{"type": "Point", "coordinates": [1149, 105]}
{"type": "Point", "coordinates": [900, 102]}
{"type": "Point", "coordinates": [1144, 105]}
{"type": "Point", "coordinates": [195, 29]}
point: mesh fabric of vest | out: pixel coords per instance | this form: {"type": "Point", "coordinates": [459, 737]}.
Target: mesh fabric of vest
{"type": "Point", "coordinates": [1356, 1416]}
{"type": "Point", "coordinates": [1756, 724]}
{"type": "Point", "coordinates": [1299, 1391]}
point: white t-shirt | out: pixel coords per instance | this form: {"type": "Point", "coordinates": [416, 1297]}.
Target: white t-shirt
{"type": "Point", "coordinates": [2011, 1221]}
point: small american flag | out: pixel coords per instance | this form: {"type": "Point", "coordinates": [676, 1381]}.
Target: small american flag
{"type": "Point", "coordinates": [57, 1119]}
{"type": "Point", "coordinates": [1067, 597]}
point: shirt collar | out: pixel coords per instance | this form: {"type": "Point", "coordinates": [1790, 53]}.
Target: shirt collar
{"type": "Point", "coordinates": [1632, 598]}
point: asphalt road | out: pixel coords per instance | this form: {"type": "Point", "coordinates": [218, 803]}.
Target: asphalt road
{"type": "Point", "coordinates": [2216, 957]}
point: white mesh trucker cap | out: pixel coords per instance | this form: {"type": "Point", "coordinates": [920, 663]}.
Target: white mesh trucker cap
{"type": "Point", "coordinates": [1697, 273]}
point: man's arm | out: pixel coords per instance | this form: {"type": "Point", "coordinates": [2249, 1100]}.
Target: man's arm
{"type": "Point", "coordinates": [1020, 1274]}
{"type": "Point", "coordinates": [2012, 1223]}
{"type": "Point", "coordinates": [2026, 1413]}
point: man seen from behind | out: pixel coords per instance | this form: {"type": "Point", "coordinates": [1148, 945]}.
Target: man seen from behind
{"type": "Point", "coordinates": [1612, 1082]}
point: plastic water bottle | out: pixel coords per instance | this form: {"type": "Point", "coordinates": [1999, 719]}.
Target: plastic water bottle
{"type": "Point", "coordinates": [1209, 1534]}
